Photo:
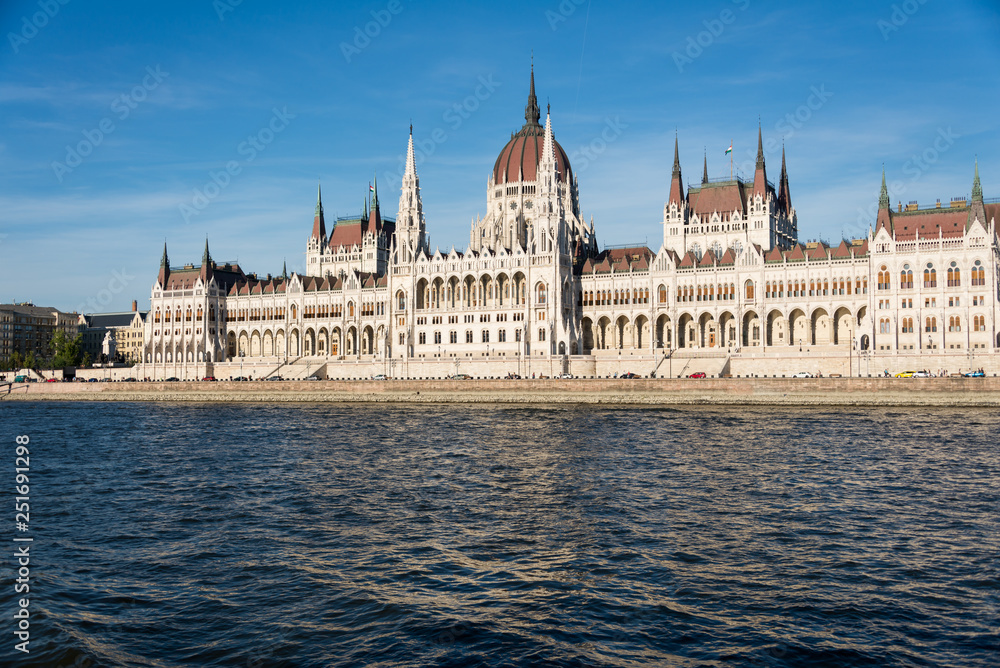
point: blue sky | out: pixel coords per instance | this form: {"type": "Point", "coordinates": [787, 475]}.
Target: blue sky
{"type": "Point", "coordinates": [162, 98]}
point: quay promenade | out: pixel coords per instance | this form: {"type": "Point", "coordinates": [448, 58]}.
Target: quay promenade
{"type": "Point", "coordinates": [942, 392]}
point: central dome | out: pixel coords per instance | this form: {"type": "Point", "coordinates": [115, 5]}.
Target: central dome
{"type": "Point", "coordinates": [521, 155]}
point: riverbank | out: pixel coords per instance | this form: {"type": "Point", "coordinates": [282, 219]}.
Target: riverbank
{"type": "Point", "coordinates": [958, 392]}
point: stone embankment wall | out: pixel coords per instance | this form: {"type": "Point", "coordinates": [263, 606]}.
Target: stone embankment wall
{"type": "Point", "coordinates": [723, 391]}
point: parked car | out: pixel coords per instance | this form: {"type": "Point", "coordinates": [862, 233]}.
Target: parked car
{"type": "Point", "coordinates": [314, 378]}
{"type": "Point", "coordinates": [240, 378]}
{"type": "Point", "coordinates": [172, 379]}
{"type": "Point", "coordinates": [565, 375]}
{"type": "Point", "coordinates": [513, 376]}
{"type": "Point", "coordinates": [51, 380]}
{"type": "Point", "coordinates": [905, 374]}
{"type": "Point", "coordinates": [460, 376]}
{"type": "Point", "coordinates": [93, 380]}
{"type": "Point", "coordinates": [974, 374]}
{"type": "Point", "coordinates": [921, 374]}
{"type": "Point", "coordinates": [379, 376]}
{"type": "Point", "coordinates": [209, 378]}
{"type": "Point", "coordinates": [631, 375]}
{"type": "Point", "coordinates": [697, 374]}
{"type": "Point", "coordinates": [274, 378]}
{"type": "Point", "coordinates": [128, 380]}
{"type": "Point", "coordinates": [20, 379]}
{"type": "Point", "coordinates": [802, 374]}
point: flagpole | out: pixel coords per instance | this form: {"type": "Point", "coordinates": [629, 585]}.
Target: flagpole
{"type": "Point", "coordinates": [730, 159]}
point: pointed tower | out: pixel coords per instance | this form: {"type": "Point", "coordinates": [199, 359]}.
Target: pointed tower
{"type": "Point", "coordinates": [784, 195]}
{"type": "Point", "coordinates": [375, 219]}
{"type": "Point", "coordinates": [316, 247]}
{"type": "Point", "coordinates": [284, 270]}
{"type": "Point", "coordinates": [206, 264]}
{"type": "Point", "coordinates": [319, 224]}
{"type": "Point", "coordinates": [410, 227]}
{"type": "Point", "coordinates": [532, 114]}
{"type": "Point", "coordinates": [977, 209]}
{"type": "Point", "coordinates": [704, 176]}
{"type": "Point", "coordinates": [676, 186]}
{"type": "Point", "coordinates": [760, 173]}
{"type": "Point", "coordinates": [547, 232]}
{"type": "Point", "coordinates": [164, 268]}
{"type": "Point", "coordinates": [884, 220]}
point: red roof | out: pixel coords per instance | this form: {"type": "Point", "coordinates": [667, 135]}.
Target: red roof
{"type": "Point", "coordinates": [929, 223]}
{"type": "Point", "coordinates": [520, 157]}
{"type": "Point", "coordinates": [722, 197]}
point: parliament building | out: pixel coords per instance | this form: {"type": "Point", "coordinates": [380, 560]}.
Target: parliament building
{"type": "Point", "coordinates": [730, 291]}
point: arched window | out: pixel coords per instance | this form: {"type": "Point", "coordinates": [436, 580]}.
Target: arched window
{"type": "Point", "coordinates": [930, 324]}
{"type": "Point", "coordinates": [883, 278]}
{"type": "Point", "coordinates": [400, 301]}
{"type": "Point", "coordinates": [156, 318]}
{"type": "Point", "coordinates": [930, 276]}
{"type": "Point", "coordinates": [906, 277]}
{"type": "Point", "coordinates": [749, 290]}
{"type": "Point", "coordinates": [978, 274]}
{"type": "Point", "coordinates": [954, 275]}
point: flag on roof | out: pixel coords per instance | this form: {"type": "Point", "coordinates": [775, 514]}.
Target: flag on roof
{"type": "Point", "coordinates": [729, 150]}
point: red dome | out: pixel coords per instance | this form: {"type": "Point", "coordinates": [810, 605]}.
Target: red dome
{"type": "Point", "coordinates": [524, 150]}
{"type": "Point", "coordinates": [522, 154]}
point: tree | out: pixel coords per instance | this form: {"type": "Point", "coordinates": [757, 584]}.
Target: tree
{"type": "Point", "coordinates": [86, 360]}
{"type": "Point", "coordinates": [66, 350]}
{"type": "Point", "coordinates": [30, 361]}
{"type": "Point", "coordinates": [16, 363]}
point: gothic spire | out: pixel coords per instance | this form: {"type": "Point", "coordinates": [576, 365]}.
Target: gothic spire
{"type": "Point", "coordinates": [284, 269]}
{"type": "Point", "coordinates": [760, 175]}
{"type": "Point", "coordinates": [977, 187]}
{"type": "Point", "coordinates": [164, 268]}
{"type": "Point", "coordinates": [760, 149]}
{"type": "Point", "coordinates": [411, 163]}
{"type": "Point", "coordinates": [319, 224]}
{"type": "Point", "coordinates": [531, 111]}
{"type": "Point", "coordinates": [784, 194]}
{"type": "Point", "coordinates": [676, 186]}
{"type": "Point", "coordinates": [206, 264]}
{"type": "Point", "coordinates": [883, 198]}
{"type": "Point", "coordinates": [704, 176]}
{"type": "Point", "coordinates": [884, 218]}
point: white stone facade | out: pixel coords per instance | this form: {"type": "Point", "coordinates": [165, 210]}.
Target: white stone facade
{"type": "Point", "coordinates": [730, 291]}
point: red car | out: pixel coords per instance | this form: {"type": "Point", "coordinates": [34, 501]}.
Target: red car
{"type": "Point", "coordinates": [697, 374]}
